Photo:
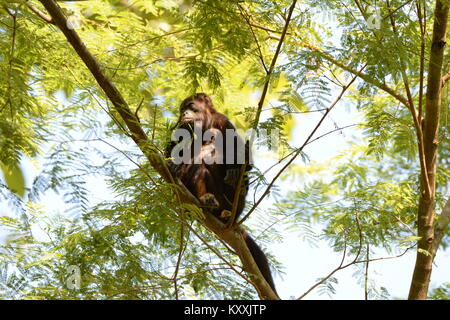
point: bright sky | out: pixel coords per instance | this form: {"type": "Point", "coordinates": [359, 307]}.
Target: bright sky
{"type": "Point", "coordinates": [305, 264]}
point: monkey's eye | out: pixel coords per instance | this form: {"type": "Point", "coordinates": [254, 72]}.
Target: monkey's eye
{"type": "Point", "coordinates": [187, 110]}
{"type": "Point", "coordinates": [192, 106]}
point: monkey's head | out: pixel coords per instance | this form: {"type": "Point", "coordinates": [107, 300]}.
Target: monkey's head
{"type": "Point", "coordinates": [195, 108]}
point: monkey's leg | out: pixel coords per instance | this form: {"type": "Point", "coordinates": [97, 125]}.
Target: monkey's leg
{"type": "Point", "coordinates": [209, 201]}
{"type": "Point", "coordinates": [228, 195]}
{"type": "Point", "coordinates": [203, 179]}
{"type": "Point", "coordinates": [225, 214]}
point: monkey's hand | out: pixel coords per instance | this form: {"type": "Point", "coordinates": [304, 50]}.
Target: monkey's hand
{"type": "Point", "coordinates": [209, 201]}
{"type": "Point", "coordinates": [232, 176]}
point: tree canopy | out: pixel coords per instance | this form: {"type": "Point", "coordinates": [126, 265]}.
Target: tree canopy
{"type": "Point", "coordinates": [90, 89]}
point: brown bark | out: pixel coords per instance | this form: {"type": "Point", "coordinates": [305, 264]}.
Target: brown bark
{"type": "Point", "coordinates": [232, 236]}
{"type": "Point", "coordinates": [425, 221]}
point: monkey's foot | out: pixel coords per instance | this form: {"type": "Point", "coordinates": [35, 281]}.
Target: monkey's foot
{"type": "Point", "coordinates": [225, 214]}
{"type": "Point", "coordinates": [209, 201]}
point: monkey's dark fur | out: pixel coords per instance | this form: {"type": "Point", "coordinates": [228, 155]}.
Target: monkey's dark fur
{"type": "Point", "coordinates": [214, 184]}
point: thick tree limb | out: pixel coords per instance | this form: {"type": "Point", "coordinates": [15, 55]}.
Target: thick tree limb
{"type": "Point", "coordinates": [425, 217]}
{"type": "Point", "coordinates": [233, 236]}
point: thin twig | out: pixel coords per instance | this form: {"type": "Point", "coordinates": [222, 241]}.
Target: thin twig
{"type": "Point", "coordinates": [240, 183]}
{"type": "Point", "coordinates": [416, 115]}
{"type": "Point", "coordinates": [422, 25]}
{"type": "Point", "coordinates": [148, 40]}
{"type": "Point", "coordinates": [299, 150]}
{"type": "Point", "coordinates": [247, 19]}
{"type": "Point", "coordinates": [381, 85]}
{"type": "Point", "coordinates": [296, 150]}
{"type": "Point", "coordinates": [354, 262]}
{"type": "Point", "coordinates": [330, 274]}
{"type": "Point", "coordinates": [154, 122]}
{"type": "Point", "coordinates": [366, 275]}
{"type": "Point", "coordinates": [395, 10]}
{"type": "Point", "coordinates": [137, 110]}
{"type": "Point", "coordinates": [180, 255]}
{"type": "Point", "coordinates": [40, 14]}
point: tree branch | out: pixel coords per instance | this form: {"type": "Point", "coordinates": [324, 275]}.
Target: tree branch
{"type": "Point", "coordinates": [240, 183]}
{"type": "Point", "coordinates": [393, 93]}
{"type": "Point", "coordinates": [40, 14]}
{"type": "Point", "coordinates": [247, 19]}
{"type": "Point", "coordinates": [136, 132]}
{"type": "Point", "coordinates": [341, 265]}
{"type": "Point", "coordinates": [422, 25]}
{"type": "Point", "coordinates": [361, 75]}
{"type": "Point", "coordinates": [354, 262]}
{"type": "Point", "coordinates": [267, 191]}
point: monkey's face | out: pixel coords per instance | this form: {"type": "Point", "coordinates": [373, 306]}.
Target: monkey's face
{"type": "Point", "coordinates": [191, 112]}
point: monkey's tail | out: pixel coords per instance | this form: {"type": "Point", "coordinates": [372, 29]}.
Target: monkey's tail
{"type": "Point", "coordinates": [261, 260]}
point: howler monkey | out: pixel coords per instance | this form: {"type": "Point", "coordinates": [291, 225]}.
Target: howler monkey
{"type": "Point", "coordinates": [207, 155]}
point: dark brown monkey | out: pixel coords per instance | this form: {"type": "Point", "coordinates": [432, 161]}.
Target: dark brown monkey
{"type": "Point", "coordinates": [207, 155]}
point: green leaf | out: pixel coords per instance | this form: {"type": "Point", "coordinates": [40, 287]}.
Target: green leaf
{"type": "Point", "coordinates": [193, 210]}
{"type": "Point", "coordinates": [410, 239]}
{"type": "Point", "coordinates": [14, 178]}
{"type": "Point", "coordinates": [425, 252]}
